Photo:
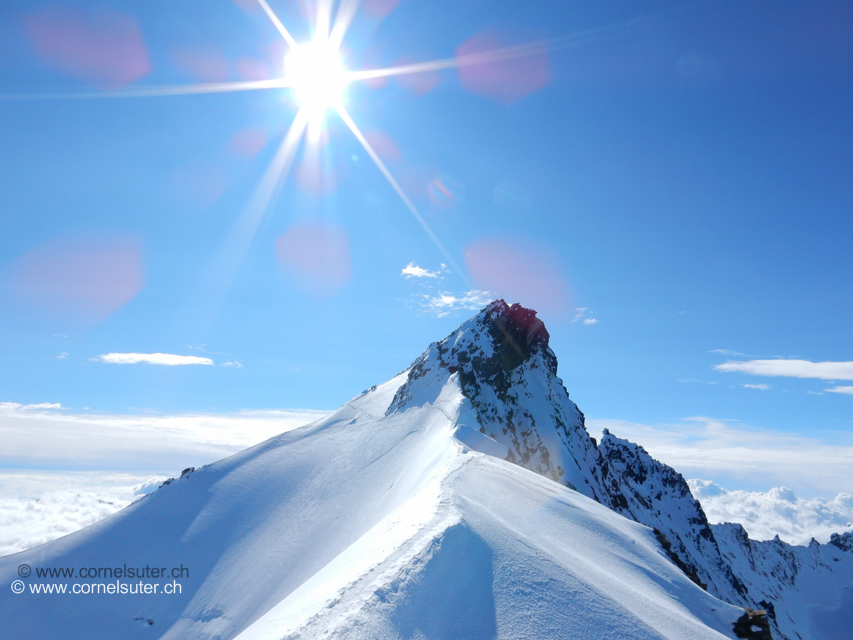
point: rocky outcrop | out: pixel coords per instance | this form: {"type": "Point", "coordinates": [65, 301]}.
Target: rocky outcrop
{"type": "Point", "coordinates": [654, 494]}
{"type": "Point", "coordinates": [753, 625]}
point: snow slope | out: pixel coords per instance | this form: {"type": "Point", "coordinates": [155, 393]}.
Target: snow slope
{"type": "Point", "coordinates": [364, 525]}
{"type": "Point", "coordinates": [461, 499]}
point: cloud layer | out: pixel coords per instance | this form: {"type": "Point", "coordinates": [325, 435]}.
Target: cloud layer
{"type": "Point", "coordinates": [792, 369]}
{"type": "Point", "coordinates": [776, 512]}
{"type": "Point", "coordinates": [38, 506]}
{"type": "Point", "coordinates": [48, 439]}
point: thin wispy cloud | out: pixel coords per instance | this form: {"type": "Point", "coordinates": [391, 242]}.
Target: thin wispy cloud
{"type": "Point", "coordinates": [62, 355]}
{"type": "Point", "coordinates": [845, 390]}
{"type": "Point", "coordinates": [584, 314]}
{"type": "Point", "coordinates": [412, 270]}
{"type": "Point", "coordinates": [165, 359]}
{"type": "Point", "coordinates": [791, 369]}
{"type": "Point", "coordinates": [232, 363]}
{"type": "Point", "coordinates": [446, 303]}
{"type": "Point", "coordinates": [728, 352]}
{"type": "Point", "coordinates": [762, 387]}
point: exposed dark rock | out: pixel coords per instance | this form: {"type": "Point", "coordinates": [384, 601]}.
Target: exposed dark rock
{"type": "Point", "coordinates": [753, 625]}
{"type": "Point", "coordinates": [843, 541]}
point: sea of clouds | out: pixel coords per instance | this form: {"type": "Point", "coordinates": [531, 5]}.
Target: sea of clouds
{"type": "Point", "coordinates": [38, 506]}
{"type": "Point", "coordinates": [779, 511]}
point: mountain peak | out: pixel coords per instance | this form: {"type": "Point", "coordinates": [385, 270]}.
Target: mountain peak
{"type": "Point", "coordinates": [516, 333]}
{"type": "Point", "coordinates": [508, 374]}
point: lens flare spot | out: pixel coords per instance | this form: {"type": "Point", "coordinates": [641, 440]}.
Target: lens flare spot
{"type": "Point", "coordinates": [384, 145]}
{"type": "Point", "coordinates": [253, 69]}
{"type": "Point", "coordinates": [379, 8]}
{"type": "Point", "coordinates": [103, 46]}
{"type": "Point", "coordinates": [317, 255]}
{"type": "Point", "coordinates": [444, 192]}
{"type": "Point", "coordinates": [506, 80]}
{"type": "Point", "coordinates": [520, 271]}
{"type": "Point", "coordinates": [418, 83]}
{"type": "Point", "coordinates": [248, 142]}
{"type": "Point", "coordinates": [208, 65]}
{"type": "Point", "coordinates": [84, 278]}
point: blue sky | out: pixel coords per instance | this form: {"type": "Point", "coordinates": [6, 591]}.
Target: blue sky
{"type": "Point", "coordinates": [678, 173]}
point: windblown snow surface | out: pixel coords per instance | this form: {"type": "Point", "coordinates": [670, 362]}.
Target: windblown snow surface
{"type": "Point", "coordinates": [461, 499]}
{"type": "Point", "coordinates": [367, 526]}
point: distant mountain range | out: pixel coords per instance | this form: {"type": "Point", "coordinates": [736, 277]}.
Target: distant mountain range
{"type": "Point", "coordinates": [464, 498]}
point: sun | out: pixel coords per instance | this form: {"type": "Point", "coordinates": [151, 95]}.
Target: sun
{"type": "Point", "coordinates": [317, 76]}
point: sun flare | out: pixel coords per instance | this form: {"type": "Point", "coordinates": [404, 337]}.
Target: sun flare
{"type": "Point", "coordinates": [315, 72]}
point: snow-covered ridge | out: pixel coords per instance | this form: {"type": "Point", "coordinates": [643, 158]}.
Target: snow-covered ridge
{"type": "Point", "coordinates": [462, 498]}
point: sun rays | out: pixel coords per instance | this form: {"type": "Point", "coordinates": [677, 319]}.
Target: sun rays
{"type": "Point", "coordinates": [314, 73]}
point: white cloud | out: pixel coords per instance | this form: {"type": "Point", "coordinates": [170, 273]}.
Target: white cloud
{"type": "Point", "coordinates": [412, 270]}
{"type": "Point", "coordinates": [445, 303]}
{"type": "Point", "coordinates": [792, 369]}
{"type": "Point", "coordinates": [763, 387]}
{"type": "Point", "coordinates": [581, 313]}
{"type": "Point", "coordinates": [40, 506]}
{"type": "Point", "coordinates": [232, 363]}
{"type": "Point", "coordinates": [845, 390]}
{"type": "Point", "coordinates": [776, 512]}
{"type": "Point", "coordinates": [62, 355]}
{"type": "Point", "coordinates": [167, 359]}
{"type": "Point", "coordinates": [736, 455]}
